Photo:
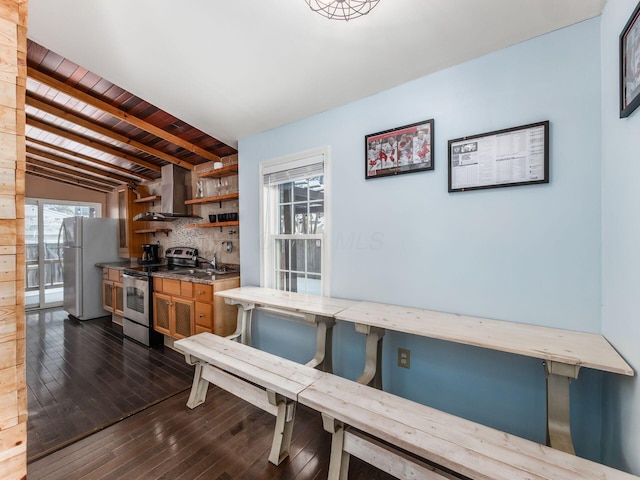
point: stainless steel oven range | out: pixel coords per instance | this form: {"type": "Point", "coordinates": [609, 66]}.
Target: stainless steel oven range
{"type": "Point", "coordinates": [137, 323]}
{"type": "Point", "coordinates": [138, 306]}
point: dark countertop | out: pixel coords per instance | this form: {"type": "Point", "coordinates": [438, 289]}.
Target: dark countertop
{"type": "Point", "coordinates": [121, 265]}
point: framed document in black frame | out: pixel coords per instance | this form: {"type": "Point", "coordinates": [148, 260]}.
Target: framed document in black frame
{"type": "Point", "coordinates": [504, 158]}
{"type": "Point", "coordinates": [630, 65]}
{"type": "Point", "coordinates": [404, 149]}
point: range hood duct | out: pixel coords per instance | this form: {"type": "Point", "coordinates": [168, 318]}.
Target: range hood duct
{"type": "Point", "coordinates": [174, 188]}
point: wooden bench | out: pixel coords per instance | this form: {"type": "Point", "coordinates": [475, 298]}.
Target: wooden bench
{"type": "Point", "coordinates": [446, 442]}
{"type": "Point", "coordinates": [401, 437]}
{"type": "Point", "coordinates": [312, 309]}
{"type": "Point", "coordinates": [564, 352]}
{"type": "Point", "coordinates": [267, 381]}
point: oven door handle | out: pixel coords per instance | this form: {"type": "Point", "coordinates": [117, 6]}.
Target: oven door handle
{"type": "Point", "coordinates": [142, 278]}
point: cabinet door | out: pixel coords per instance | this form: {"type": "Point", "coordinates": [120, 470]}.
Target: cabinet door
{"type": "Point", "coordinates": [224, 315]}
{"type": "Point", "coordinates": [162, 313]}
{"type": "Point", "coordinates": [123, 212]}
{"type": "Point", "coordinates": [118, 299]}
{"type": "Point", "coordinates": [204, 317]}
{"type": "Point", "coordinates": [183, 317]}
{"type": "Point", "coordinates": [107, 295]}
{"type": "Point", "coordinates": [129, 242]}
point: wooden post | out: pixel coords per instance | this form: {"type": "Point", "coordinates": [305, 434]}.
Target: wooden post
{"type": "Point", "coordinates": [13, 389]}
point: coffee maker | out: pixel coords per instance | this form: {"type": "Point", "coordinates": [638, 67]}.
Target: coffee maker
{"type": "Point", "coordinates": [150, 253]}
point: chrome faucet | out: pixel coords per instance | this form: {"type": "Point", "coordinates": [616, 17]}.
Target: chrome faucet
{"type": "Point", "coordinates": [211, 262]}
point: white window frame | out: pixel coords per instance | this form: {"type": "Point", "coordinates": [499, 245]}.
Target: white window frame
{"type": "Point", "coordinates": [268, 219]}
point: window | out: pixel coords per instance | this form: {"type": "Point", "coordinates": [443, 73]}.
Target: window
{"type": "Point", "coordinates": [295, 223]}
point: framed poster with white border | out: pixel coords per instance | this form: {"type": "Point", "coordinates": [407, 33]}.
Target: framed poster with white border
{"type": "Point", "coordinates": [503, 158]}
{"type": "Point", "coordinates": [406, 149]}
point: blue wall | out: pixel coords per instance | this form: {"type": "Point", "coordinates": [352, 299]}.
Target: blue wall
{"type": "Point", "coordinates": [526, 254]}
{"type": "Point", "coordinates": [620, 253]}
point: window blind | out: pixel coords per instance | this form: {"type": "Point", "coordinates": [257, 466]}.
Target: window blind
{"type": "Point", "coordinates": [293, 171]}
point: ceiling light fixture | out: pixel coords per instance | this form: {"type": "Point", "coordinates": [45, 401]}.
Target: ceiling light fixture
{"type": "Point", "coordinates": [342, 9]}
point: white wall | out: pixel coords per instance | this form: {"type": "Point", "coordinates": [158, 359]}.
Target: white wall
{"type": "Point", "coordinates": [526, 254]}
{"type": "Point", "coordinates": [620, 253]}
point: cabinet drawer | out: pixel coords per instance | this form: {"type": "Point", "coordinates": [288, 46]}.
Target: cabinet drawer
{"type": "Point", "coordinates": [157, 284]}
{"type": "Point", "coordinates": [204, 315]}
{"type": "Point", "coordinates": [202, 292]}
{"type": "Point", "coordinates": [186, 289]}
{"type": "Point", "coordinates": [171, 286]}
{"type": "Point", "coordinates": [115, 275]}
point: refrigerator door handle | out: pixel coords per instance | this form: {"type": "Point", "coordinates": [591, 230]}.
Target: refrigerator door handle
{"type": "Point", "coordinates": [59, 235]}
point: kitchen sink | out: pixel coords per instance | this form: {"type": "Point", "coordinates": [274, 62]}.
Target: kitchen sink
{"type": "Point", "coordinates": [201, 273]}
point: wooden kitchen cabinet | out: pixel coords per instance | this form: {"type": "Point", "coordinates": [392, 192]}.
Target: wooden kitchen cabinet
{"type": "Point", "coordinates": [173, 316]}
{"type": "Point", "coordinates": [129, 242]}
{"type": "Point", "coordinates": [112, 291]}
{"type": "Point", "coordinates": [184, 308]}
{"type": "Point", "coordinates": [225, 315]}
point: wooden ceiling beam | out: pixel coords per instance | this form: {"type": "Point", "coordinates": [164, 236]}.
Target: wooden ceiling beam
{"type": "Point", "coordinates": [89, 125]}
{"type": "Point", "coordinates": [38, 172]}
{"type": "Point", "coordinates": [120, 114]}
{"type": "Point", "coordinates": [71, 173]}
{"type": "Point", "coordinates": [72, 163]}
{"type": "Point", "coordinates": [88, 142]}
{"type": "Point", "coordinates": [82, 156]}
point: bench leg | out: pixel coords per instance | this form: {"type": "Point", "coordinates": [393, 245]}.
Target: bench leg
{"type": "Point", "coordinates": [372, 374]}
{"type": "Point", "coordinates": [243, 322]}
{"type": "Point", "coordinates": [198, 387]}
{"type": "Point", "coordinates": [559, 377]}
{"type": "Point", "coordinates": [323, 359]}
{"type": "Point", "coordinates": [339, 461]}
{"type": "Point", "coordinates": [281, 445]}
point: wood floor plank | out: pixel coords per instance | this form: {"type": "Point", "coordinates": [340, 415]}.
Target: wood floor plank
{"type": "Point", "coordinates": [71, 368]}
{"type": "Point", "coordinates": [83, 376]}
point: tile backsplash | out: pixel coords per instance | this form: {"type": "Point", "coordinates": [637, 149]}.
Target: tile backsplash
{"type": "Point", "coordinates": [208, 240]}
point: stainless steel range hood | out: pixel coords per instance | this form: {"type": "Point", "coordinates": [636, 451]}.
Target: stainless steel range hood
{"type": "Point", "coordinates": [174, 190]}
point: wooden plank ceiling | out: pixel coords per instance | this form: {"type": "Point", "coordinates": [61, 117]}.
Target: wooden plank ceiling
{"type": "Point", "coordinates": [85, 131]}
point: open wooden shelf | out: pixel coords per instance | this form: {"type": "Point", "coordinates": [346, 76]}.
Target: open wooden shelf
{"type": "Point", "coordinates": [217, 224]}
{"type": "Point", "coordinates": [154, 230]}
{"type": "Point", "coordinates": [220, 172]}
{"type": "Point", "coordinates": [219, 198]}
{"type": "Point", "coordinates": [149, 199]}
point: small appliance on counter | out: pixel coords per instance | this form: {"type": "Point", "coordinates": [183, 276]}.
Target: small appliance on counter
{"type": "Point", "coordinates": [150, 253]}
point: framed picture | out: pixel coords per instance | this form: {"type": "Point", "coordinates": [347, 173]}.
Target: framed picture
{"type": "Point", "coordinates": [405, 149]}
{"type": "Point", "coordinates": [630, 65]}
{"type": "Point", "coordinates": [504, 158]}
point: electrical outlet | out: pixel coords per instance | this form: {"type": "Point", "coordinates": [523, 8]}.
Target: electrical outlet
{"type": "Point", "coordinates": [404, 357]}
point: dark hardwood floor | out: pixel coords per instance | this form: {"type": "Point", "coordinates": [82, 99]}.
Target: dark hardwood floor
{"type": "Point", "coordinates": [83, 376]}
{"type": "Point", "coordinates": [74, 368]}
{"type": "Point", "coordinates": [225, 438]}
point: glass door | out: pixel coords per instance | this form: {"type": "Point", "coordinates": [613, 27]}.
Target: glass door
{"type": "Point", "coordinates": [43, 257]}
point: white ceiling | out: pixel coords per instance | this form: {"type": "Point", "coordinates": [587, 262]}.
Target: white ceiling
{"type": "Point", "coordinates": [233, 68]}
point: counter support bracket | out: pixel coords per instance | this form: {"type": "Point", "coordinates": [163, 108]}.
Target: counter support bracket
{"type": "Point", "coordinates": [372, 374]}
{"type": "Point", "coordinates": [559, 377]}
{"type": "Point", "coordinates": [243, 325]}
{"type": "Point", "coordinates": [323, 359]}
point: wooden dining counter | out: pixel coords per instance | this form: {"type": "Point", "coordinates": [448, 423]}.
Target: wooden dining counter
{"type": "Point", "coordinates": [563, 352]}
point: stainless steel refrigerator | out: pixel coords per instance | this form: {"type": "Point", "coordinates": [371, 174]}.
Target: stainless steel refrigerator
{"type": "Point", "coordinates": [85, 242]}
